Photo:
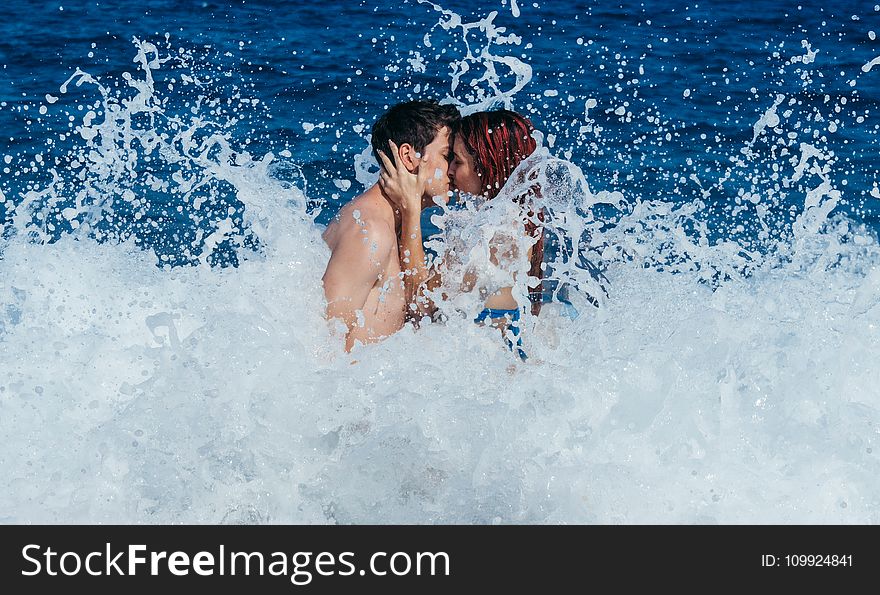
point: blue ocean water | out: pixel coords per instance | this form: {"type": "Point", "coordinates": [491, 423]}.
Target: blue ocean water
{"type": "Point", "coordinates": [706, 71]}
{"type": "Point", "coordinates": [726, 376]}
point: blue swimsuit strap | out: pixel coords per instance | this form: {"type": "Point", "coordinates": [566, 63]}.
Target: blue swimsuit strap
{"type": "Point", "coordinates": [512, 315]}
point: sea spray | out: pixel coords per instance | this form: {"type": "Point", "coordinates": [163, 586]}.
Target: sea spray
{"type": "Point", "coordinates": [722, 373]}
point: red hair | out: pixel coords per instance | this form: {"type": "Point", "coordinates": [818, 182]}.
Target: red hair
{"type": "Point", "coordinates": [498, 141]}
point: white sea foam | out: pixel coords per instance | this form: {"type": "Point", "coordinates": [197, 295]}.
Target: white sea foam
{"type": "Point", "coordinates": [136, 394]}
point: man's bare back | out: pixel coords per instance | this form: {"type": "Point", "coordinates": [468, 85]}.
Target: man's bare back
{"type": "Point", "coordinates": [363, 280]}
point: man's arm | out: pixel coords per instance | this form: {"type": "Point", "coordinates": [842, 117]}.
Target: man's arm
{"type": "Point", "coordinates": [355, 265]}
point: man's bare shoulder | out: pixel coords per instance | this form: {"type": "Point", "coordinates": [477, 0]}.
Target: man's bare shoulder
{"type": "Point", "coordinates": [364, 215]}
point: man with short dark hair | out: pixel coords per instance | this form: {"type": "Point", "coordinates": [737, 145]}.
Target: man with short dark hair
{"type": "Point", "coordinates": [363, 281]}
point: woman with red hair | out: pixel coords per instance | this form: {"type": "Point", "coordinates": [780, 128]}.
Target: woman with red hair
{"type": "Point", "coordinates": [488, 147]}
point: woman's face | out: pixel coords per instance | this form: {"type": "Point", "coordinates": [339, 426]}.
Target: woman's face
{"type": "Point", "coordinates": [463, 176]}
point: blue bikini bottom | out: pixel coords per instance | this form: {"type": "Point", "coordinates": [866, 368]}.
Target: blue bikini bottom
{"type": "Point", "coordinates": [512, 317]}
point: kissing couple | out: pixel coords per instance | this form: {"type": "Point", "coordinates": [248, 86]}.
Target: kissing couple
{"type": "Point", "coordinates": [377, 277]}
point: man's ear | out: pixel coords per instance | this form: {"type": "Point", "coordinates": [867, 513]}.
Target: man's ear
{"type": "Point", "coordinates": [408, 156]}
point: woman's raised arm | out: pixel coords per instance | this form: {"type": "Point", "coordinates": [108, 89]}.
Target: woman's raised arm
{"type": "Point", "coordinates": [405, 190]}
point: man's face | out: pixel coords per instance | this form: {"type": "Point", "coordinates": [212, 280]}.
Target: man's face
{"type": "Point", "coordinates": [435, 155]}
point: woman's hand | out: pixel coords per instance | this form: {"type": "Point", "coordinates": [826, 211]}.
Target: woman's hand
{"type": "Point", "coordinates": [403, 188]}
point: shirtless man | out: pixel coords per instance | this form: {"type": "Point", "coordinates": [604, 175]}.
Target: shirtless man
{"type": "Point", "coordinates": [363, 282]}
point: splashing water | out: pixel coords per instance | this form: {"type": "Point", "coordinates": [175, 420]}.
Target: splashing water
{"type": "Point", "coordinates": [719, 370]}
